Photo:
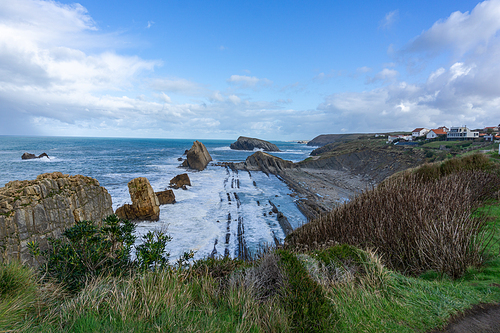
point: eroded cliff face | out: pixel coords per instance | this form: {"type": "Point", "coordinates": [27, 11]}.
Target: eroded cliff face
{"type": "Point", "coordinates": [267, 163]}
{"type": "Point", "coordinates": [197, 157]}
{"type": "Point", "coordinates": [33, 210]}
{"type": "Point", "coordinates": [245, 143]}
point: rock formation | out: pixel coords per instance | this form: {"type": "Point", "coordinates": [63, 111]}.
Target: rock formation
{"type": "Point", "coordinates": [145, 204]}
{"type": "Point", "coordinates": [29, 156]}
{"type": "Point", "coordinates": [197, 157]}
{"type": "Point", "coordinates": [244, 143]}
{"type": "Point", "coordinates": [180, 181]}
{"type": "Point", "coordinates": [260, 161]}
{"type": "Point", "coordinates": [33, 210]}
{"type": "Point", "coordinates": [165, 197]}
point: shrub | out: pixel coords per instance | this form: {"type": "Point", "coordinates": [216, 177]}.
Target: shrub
{"type": "Point", "coordinates": [151, 254]}
{"type": "Point", "coordinates": [415, 225]}
{"type": "Point", "coordinates": [87, 251]}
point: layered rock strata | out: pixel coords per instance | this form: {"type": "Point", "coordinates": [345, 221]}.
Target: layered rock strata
{"type": "Point", "coordinates": [145, 204]}
{"type": "Point", "coordinates": [245, 143]}
{"type": "Point", "coordinates": [197, 157]}
{"type": "Point", "coordinates": [33, 210]}
{"type": "Point", "coordinates": [267, 163]}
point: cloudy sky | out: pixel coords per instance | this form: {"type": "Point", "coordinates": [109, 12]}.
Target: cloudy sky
{"type": "Point", "coordinates": [277, 70]}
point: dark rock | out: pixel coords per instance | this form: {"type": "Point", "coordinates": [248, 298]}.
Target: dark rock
{"type": "Point", "coordinates": [245, 143]}
{"type": "Point", "coordinates": [180, 181]}
{"type": "Point", "coordinates": [29, 156]}
{"type": "Point", "coordinates": [165, 197]}
{"type": "Point", "coordinates": [260, 161]}
{"type": "Point", "coordinates": [197, 157]}
{"type": "Point", "coordinates": [180, 159]}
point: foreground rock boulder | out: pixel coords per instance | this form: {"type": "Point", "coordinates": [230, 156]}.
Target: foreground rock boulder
{"type": "Point", "coordinates": [29, 156]}
{"type": "Point", "coordinates": [245, 143]}
{"type": "Point", "coordinates": [197, 157]}
{"type": "Point", "coordinates": [33, 210]}
{"type": "Point", "coordinates": [180, 181]}
{"type": "Point", "coordinates": [145, 204]}
{"type": "Point", "coordinates": [165, 197]}
{"type": "Point", "coordinates": [267, 163]}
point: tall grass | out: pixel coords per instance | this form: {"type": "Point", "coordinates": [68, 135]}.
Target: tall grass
{"type": "Point", "coordinates": [415, 224]}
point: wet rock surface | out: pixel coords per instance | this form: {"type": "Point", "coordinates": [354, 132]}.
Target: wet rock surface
{"type": "Point", "coordinates": [267, 163]}
{"type": "Point", "coordinates": [33, 210]}
{"type": "Point", "coordinates": [29, 156]}
{"type": "Point", "coordinates": [180, 181]}
{"type": "Point", "coordinates": [165, 197]}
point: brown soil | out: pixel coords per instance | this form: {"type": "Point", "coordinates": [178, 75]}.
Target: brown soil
{"type": "Point", "coordinates": [482, 318]}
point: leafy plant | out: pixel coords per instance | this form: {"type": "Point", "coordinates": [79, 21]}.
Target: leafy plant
{"type": "Point", "coordinates": [87, 251]}
{"type": "Point", "coordinates": [151, 254]}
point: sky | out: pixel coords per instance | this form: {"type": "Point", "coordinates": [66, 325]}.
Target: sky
{"type": "Point", "coordinates": [276, 70]}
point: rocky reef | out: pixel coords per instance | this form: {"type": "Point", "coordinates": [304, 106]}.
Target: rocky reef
{"type": "Point", "coordinates": [245, 143]}
{"type": "Point", "coordinates": [145, 204]}
{"type": "Point", "coordinates": [197, 157]}
{"type": "Point", "coordinates": [267, 163]}
{"type": "Point", "coordinates": [33, 210]}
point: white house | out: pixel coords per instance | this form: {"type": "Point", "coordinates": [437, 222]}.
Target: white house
{"type": "Point", "coordinates": [461, 133]}
{"type": "Point", "coordinates": [418, 132]}
{"type": "Point", "coordinates": [434, 133]}
{"type": "Point", "coordinates": [392, 138]}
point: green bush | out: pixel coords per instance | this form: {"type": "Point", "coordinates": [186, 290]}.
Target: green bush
{"type": "Point", "coordinates": [87, 251]}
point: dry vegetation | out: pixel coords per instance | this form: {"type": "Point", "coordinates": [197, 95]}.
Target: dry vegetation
{"type": "Point", "coordinates": [418, 221]}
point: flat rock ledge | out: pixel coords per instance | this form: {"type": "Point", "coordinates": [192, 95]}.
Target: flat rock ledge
{"type": "Point", "coordinates": [246, 143]}
{"type": "Point", "coordinates": [34, 210]}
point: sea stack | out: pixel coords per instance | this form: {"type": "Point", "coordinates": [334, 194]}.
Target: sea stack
{"type": "Point", "coordinates": [197, 157]}
{"type": "Point", "coordinates": [145, 204]}
{"type": "Point", "coordinates": [245, 143]}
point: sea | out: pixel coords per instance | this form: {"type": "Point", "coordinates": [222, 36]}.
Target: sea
{"type": "Point", "coordinates": [205, 218]}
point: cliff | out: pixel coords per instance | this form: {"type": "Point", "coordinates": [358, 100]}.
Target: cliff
{"type": "Point", "coordinates": [245, 143]}
{"type": "Point", "coordinates": [33, 210]}
{"type": "Point", "coordinates": [325, 139]}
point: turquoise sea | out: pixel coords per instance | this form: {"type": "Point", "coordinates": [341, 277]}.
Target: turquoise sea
{"type": "Point", "coordinates": [199, 218]}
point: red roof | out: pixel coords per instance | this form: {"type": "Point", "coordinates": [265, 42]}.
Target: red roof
{"type": "Point", "coordinates": [439, 131]}
{"type": "Point", "coordinates": [417, 129]}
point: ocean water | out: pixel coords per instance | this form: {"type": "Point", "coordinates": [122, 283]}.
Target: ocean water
{"type": "Point", "coordinates": [218, 200]}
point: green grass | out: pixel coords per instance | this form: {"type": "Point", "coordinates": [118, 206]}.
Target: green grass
{"type": "Point", "coordinates": [334, 289]}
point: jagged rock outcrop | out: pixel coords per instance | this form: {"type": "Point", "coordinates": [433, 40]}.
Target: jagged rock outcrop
{"type": "Point", "coordinates": [325, 139]}
{"type": "Point", "coordinates": [29, 156]}
{"type": "Point", "coordinates": [165, 197]}
{"type": "Point", "coordinates": [197, 157]}
{"type": "Point", "coordinates": [180, 181]}
{"type": "Point", "coordinates": [245, 143]}
{"type": "Point", "coordinates": [33, 210]}
{"type": "Point", "coordinates": [145, 204]}
{"type": "Point", "coordinates": [267, 163]}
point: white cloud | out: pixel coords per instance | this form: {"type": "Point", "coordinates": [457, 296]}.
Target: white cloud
{"type": "Point", "coordinates": [150, 24]}
{"type": "Point", "coordinates": [386, 75]}
{"type": "Point", "coordinates": [389, 19]}
{"type": "Point", "coordinates": [460, 32]}
{"type": "Point", "coordinates": [235, 99]}
{"type": "Point", "coordinates": [363, 69]}
{"type": "Point", "coordinates": [177, 85]}
{"type": "Point", "coordinates": [165, 98]}
{"type": "Point", "coordinates": [244, 81]}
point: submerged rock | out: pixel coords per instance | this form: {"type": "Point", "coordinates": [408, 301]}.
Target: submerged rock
{"type": "Point", "coordinates": [197, 157]}
{"type": "Point", "coordinates": [245, 143]}
{"type": "Point", "coordinates": [145, 204]}
{"type": "Point", "coordinates": [33, 210]}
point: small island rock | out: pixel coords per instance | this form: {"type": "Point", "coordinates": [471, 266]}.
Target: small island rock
{"type": "Point", "coordinates": [29, 156]}
{"type": "Point", "coordinates": [165, 197]}
{"type": "Point", "coordinates": [197, 157]}
{"type": "Point", "coordinates": [180, 181]}
{"type": "Point", "coordinates": [145, 204]}
{"type": "Point", "coordinates": [245, 143]}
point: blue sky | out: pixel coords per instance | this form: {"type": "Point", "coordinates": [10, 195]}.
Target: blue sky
{"type": "Point", "coordinates": [278, 70]}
